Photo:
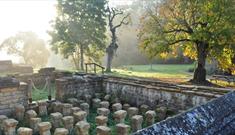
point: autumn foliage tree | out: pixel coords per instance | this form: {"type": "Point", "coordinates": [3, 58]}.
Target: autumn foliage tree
{"type": "Point", "coordinates": [204, 29]}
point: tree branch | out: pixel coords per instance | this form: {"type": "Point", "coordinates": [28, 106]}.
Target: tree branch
{"type": "Point", "coordinates": [123, 21]}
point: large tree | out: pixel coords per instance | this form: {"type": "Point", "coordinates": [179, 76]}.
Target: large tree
{"type": "Point", "coordinates": [203, 28]}
{"type": "Point", "coordinates": [29, 47]}
{"type": "Point", "coordinates": [79, 30]}
{"type": "Point", "coordinates": [114, 13]}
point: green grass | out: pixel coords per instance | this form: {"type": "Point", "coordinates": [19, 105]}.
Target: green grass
{"type": "Point", "coordinates": [42, 94]}
{"type": "Point", "coordinates": [157, 71]}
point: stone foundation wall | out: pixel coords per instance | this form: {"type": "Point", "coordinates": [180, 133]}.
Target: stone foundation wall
{"type": "Point", "coordinates": [12, 94]}
{"type": "Point", "coordinates": [157, 93]}
{"type": "Point", "coordinates": [139, 91]}
{"type": "Point", "coordinates": [68, 87]}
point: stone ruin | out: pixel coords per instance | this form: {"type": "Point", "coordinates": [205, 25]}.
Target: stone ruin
{"type": "Point", "coordinates": [105, 105]}
{"type": "Point", "coordinates": [9, 67]}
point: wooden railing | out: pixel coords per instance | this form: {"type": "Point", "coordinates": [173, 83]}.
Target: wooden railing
{"type": "Point", "coordinates": [95, 67]}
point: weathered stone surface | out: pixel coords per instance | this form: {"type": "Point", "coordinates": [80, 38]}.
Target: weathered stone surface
{"type": "Point", "coordinates": [214, 118]}
{"type": "Point", "coordinates": [61, 131]}
{"type": "Point", "coordinates": [57, 106]}
{"type": "Point", "coordinates": [56, 119]}
{"type": "Point", "coordinates": [126, 106]}
{"type": "Point", "coordinates": [68, 122]}
{"type": "Point", "coordinates": [82, 128]}
{"type": "Point", "coordinates": [87, 98]}
{"type": "Point", "coordinates": [42, 108]}
{"type": "Point", "coordinates": [119, 116]}
{"type": "Point", "coordinates": [136, 123]}
{"type": "Point", "coordinates": [73, 101]}
{"type": "Point", "coordinates": [85, 107]}
{"type": "Point", "coordinates": [107, 97]}
{"type": "Point", "coordinates": [104, 104]}
{"type": "Point", "coordinates": [19, 112]}
{"type": "Point", "coordinates": [103, 112]}
{"type": "Point", "coordinates": [30, 114]}
{"type": "Point", "coordinates": [101, 120]}
{"type": "Point", "coordinates": [9, 126]}
{"type": "Point", "coordinates": [122, 129]}
{"type": "Point", "coordinates": [2, 118]}
{"type": "Point", "coordinates": [144, 108]}
{"type": "Point", "coordinates": [161, 113]}
{"type": "Point", "coordinates": [44, 128]}
{"type": "Point", "coordinates": [34, 124]}
{"type": "Point", "coordinates": [132, 111]}
{"type": "Point", "coordinates": [103, 130]}
{"type": "Point", "coordinates": [66, 110]}
{"type": "Point", "coordinates": [74, 110]}
{"type": "Point", "coordinates": [24, 131]}
{"type": "Point", "coordinates": [150, 117]}
{"type": "Point", "coordinates": [96, 103]}
{"type": "Point", "coordinates": [116, 107]}
{"type": "Point", "coordinates": [80, 116]}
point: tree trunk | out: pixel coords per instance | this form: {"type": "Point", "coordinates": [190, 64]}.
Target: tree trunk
{"type": "Point", "coordinates": [109, 61]}
{"type": "Point", "coordinates": [200, 71]}
{"type": "Point", "coordinates": [82, 57]}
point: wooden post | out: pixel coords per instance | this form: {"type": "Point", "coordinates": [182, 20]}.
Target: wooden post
{"type": "Point", "coordinates": [86, 67]}
{"type": "Point", "coordinates": [30, 88]}
{"type": "Point", "coordinates": [48, 81]}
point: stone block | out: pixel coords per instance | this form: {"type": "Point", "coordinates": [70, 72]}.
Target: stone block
{"type": "Point", "coordinates": [56, 120]}
{"type": "Point", "coordinates": [66, 109]}
{"type": "Point", "coordinates": [19, 112]}
{"type": "Point", "coordinates": [136, 123]}
{"type": "Point", "coordinates": [107, 97]}
{"type": "Point", "coordinates": [68, 122]}
{"type": "Point", "coordinates": [143, 109]}
{"type": "Point", "coordinates": [122, 129]}
{"type": "Point", "coordinates": [57, 106]}
{"type": "Point", "coordinates": [28, 115]}
{"type": "Point", "coordinates": [116, 107]}
{"type": "Point", "coordinates": [103, 112]}
{"type": "Point", "coordinates": [44, 128]}
{"type": "Point", "coordinates": [80, 116]}
{"type": "Point", "coordinates": [104, 104]}
{"type": "Point", "coordinates": [24, 131]}
{"type": "Point", "coordinates": [34, 124]}
{"type": "Point", "coordinates": [126, 106]}
{"type": "Point", "coordinates": [82, 128]}
{"type": "Point", "coordinates": [119, 116]}
{"type": "Point", "coordinates": [161, 113]}
{"type": "Point", "coordinates": [85, 107]}
{"type": "Point", "coordinates": [9, 126]}
{"type": "Point", "coordinates": [42, 108]}
{"type": "Point", "coordinates": [74, 110]}
{"type": "Point", "coordinates": [2, 118]}
{"type": "Point", "coordinates": [96, 103]}
{"type": "Point", "coordinates": [132, 111]}
{"type": "Point", "coordinates": [61, 131]}
{"type": "Point", "coordinates": [101, 120]}
{"type": "Point", "coordinates": [103, 130]}
{"type": "Point", "coordinates": [150, 117]}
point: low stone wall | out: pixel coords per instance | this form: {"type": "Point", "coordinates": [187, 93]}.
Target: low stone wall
{"type": "Point", "coordinates": [139, 91]}
{"type": "Point", "coordinates": [214, 118]}
{"type": "Point", "coordinates": [12, 93]}
{"type": "Point", "coordinates": [77, 86]}
{"type": "Point", "coordinates": [157, 93]}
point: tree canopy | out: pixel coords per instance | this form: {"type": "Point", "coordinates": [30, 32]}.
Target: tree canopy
{"type": "Point", "coordinates": [204, 29]}
{"type": "Point", "coordinates": [79, 30]}
{"type": "Point", "coordinates": [28, 46]}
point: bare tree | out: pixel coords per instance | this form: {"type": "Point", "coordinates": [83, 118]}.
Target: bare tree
{"type": "Point", "coordinates": [112, 48]}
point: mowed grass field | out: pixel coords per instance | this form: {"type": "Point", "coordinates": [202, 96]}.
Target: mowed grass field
{"type": "Point", "coordinates": [159, 71]}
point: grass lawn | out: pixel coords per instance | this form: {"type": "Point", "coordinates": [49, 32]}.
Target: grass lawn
{"type": "Point", "coordinates": [42, 94]}
{"type": "Point", "coordinates": [169, 71]}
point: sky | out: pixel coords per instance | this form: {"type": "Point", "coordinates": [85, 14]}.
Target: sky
{"type": "Point", "coordinates": [30, 15]}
